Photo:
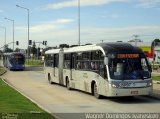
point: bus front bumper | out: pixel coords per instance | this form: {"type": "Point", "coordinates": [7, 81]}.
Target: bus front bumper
{"type": "Point", "coordinates": [17, 67]}
{"type": "Point", "coordinates": [118, 92]}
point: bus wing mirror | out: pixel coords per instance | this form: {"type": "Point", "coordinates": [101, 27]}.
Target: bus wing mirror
{"type": "Point", "coordinates": [106, 60]}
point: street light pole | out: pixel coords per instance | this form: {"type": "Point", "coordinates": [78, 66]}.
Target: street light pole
{"type": "Point", "coordinates": [28, 30]}
{"type": "Point", "coordinates": [4, 34]}
{"type": "Point", "coordinates": [13, 29]}
{"type": "Point", "coordinates": [102, 41]}
{"type": "Point", "coordinates": [79, 10]}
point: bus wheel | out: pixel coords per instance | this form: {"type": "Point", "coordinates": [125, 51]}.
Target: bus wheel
{"type": "Point", "coordinates": [49, 79]}
{"type": "Point", "coordinates": [67, 85]}
{"type": "Point", "coordinates": [96, 92]}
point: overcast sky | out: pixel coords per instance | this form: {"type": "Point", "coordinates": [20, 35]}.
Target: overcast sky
{"type": "Point", "coordinates": [56, 21]}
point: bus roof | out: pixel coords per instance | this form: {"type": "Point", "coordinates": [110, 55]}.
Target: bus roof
{"type": "Point", "coordinates": [111, 47]}
{"type": "Point", "coordinates": [76, 49]}
{"type": "Point", "coordinates": [119, 47]}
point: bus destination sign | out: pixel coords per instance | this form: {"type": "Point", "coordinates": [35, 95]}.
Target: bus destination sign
{"type": "Point", "coordinates": [127, 55]}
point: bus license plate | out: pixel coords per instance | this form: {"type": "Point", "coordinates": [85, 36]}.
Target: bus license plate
{"type": "Point", "coordinates": [134, 92]}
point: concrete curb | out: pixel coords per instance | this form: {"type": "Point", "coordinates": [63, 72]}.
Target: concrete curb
{"type": "Point", "coordinates": [3, 72]}
{"type": "Point", "coordinates": [154, 95]}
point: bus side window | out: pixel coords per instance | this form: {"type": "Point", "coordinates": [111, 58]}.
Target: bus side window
{"type": "Point", "coordinates": [52, 60]}
{"type": "Point", "coordinates": [73, 61]}
{"type": "Point", "coordinates": [97, 61]}
{"type": "Point", "coordinates": [49, 60]}
{"type": "Point", "coordinates": [78, 65]}
{"type": "Point", "coordinates": [56, 60]}
{"type": "Point", "coordinates": [85, 60]}
{"type": "Point", "coordinates": [67, 58]}
{"type": "Point", "coordinates": [86, 65]}
{"type": "Point", "coordinates": [96, 65]}
{"type": "Point", "coordinates": [92, 65]}
{"type": "Point", "coordinates": [78, 61]}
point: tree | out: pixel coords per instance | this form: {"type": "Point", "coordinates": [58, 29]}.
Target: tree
{"type": "Point", "coordinates": [17, 50]}
{"type": "Point", "coordinates": [6, 49]}
{"type": "Point", "coordinates": [64, 45]}
{"type": "Point", "coordinates": [33, 49]}
{"type": "Point", "coordinates": [154, 43]}
{"type": "Point", "coordinates": [135, 39]}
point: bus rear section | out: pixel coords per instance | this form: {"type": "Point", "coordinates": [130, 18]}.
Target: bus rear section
{"type": "Point", "coordinates": [14, 61]}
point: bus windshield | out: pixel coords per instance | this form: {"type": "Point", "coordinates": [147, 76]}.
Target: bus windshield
{"type": "Point", "coordinates": [17, 59]}
{"type": "Point", "coordinates": [129, 67]}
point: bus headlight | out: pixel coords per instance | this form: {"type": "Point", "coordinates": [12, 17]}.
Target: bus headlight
{"type": "Point", "coordinates": [150, 84]}
{"type": "Point", "coordinates": [114, 86]}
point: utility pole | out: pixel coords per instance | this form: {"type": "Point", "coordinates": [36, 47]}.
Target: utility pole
{"type": "Point", "coordinates": [79, 24]}
{"type": "Point", "coordinates": [28, 30]}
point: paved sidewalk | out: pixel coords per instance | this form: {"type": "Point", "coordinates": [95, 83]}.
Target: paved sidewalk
{"type": "Point", "coordinates": [156, 90]}
{"type": "Point", "coordinates": [156, 85]}
{"type": "Point", "coordinates": [3, 71]}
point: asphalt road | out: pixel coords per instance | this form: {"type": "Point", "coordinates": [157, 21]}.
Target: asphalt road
{"type": "Point", "coordinates": [57, 99]}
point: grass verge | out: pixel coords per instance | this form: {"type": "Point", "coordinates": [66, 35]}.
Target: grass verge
{"type": "Point", "coordinates": [156, 78]}
{"type": "Point", "coordinates": [13, 102]}
{"type": "Point", "coordinates": [34, 62]}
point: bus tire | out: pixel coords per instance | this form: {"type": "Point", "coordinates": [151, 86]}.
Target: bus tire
{"type": "Point", "coordinates": [67, 85]}
{"type": "Point", "coordinates": [49, 79]}
{"type": "Point", "coordinates": [95, 92]}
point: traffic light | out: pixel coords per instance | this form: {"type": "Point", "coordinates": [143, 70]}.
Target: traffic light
{"type": "Point", "coordinates": [30, 42]}
{"type": "Point", "coordinates": [17, 42]}
{"type": "Point", "coordinates": [44, 43]}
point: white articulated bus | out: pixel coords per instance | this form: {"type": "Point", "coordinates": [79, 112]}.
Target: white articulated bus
{"type": "Point", "coordinates": [108, 69]}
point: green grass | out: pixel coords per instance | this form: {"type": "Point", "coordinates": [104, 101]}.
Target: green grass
{"type": "Point", "coordinates": [13, 102]}
{"type": "Point", "coordinates": [34, 62]}
{"type": "Point", "coordinates": [156, 78]}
